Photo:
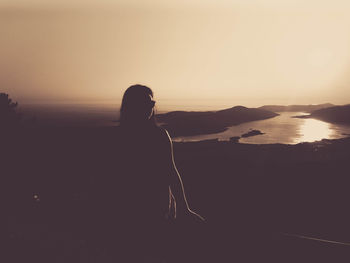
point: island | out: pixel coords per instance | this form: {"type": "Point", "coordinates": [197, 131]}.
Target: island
{"type": "Point", "coordinates": [252, 133]}
{"type": "Point", "coordinates": [235, 139]}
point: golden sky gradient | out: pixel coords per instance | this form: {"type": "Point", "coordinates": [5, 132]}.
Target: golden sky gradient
{"type": "Point", "coordinates": [191, 53]}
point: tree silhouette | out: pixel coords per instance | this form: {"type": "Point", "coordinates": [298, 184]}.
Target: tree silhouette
{"type": "Point", "coordinates": [8, 113]}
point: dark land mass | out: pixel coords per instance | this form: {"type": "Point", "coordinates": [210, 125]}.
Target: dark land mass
{"type": "Point", "coordinates": [337, 114]}
{"type": "Point", "coordinates": [249, 194]}
{"type": "Point", "coordinates": [252, 133]}
{"type": "Point", "coordinates": [70, 115]}
{"type": "Point", "coordinates": [184, 123]}
{"type": "Point", "coordinates": [234, 139]}
{"type": "Point", "coordinates": [301, 108]}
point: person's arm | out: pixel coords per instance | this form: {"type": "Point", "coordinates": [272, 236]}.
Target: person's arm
{"type": "Point", "coordinates": [176, 186]}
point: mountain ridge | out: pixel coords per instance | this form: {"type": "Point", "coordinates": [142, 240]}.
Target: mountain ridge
{"type": "Point", "coordinates": [336, 114]}
{"type": "Point", "coordinates": [187, 123]}
{"type": "Point", "coordinates": [303, 108]}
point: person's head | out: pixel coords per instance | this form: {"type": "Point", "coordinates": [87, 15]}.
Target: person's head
{"type": "Point", "coordinates": [137, 106]}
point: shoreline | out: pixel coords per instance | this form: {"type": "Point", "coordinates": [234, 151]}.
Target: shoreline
{"type": "Point", "coordinates": [211, 141]}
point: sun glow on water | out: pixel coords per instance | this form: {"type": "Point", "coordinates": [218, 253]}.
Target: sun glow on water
{"type": "Point", "coordinates": [281, 129]}
{"type": "Point", "coordinates": [314, 130]}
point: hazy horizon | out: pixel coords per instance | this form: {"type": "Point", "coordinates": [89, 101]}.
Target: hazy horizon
{"type": "Point", "coordinates": [163, 107]}
{"type": "Point", "coordinates": [193, 54]}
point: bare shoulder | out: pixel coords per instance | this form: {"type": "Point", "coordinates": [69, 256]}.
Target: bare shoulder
{"type": "Point", "coordinates": [164, 137]}
{"type": "Point", "coordinates": [164, 134]}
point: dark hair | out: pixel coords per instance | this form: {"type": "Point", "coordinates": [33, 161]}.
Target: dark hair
{"type": "Point", "coordinates": [133, 96]}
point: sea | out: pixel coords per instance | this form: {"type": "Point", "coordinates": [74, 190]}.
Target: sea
{"type": "Point", "coordinates": [284, 128]}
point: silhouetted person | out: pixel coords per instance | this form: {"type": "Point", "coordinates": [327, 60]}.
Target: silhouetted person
{"type": "Point", "coordinates": [141, 193]}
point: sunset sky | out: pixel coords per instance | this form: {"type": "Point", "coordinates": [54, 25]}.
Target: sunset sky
{"type": "Point", "coordinates": [190, 52]}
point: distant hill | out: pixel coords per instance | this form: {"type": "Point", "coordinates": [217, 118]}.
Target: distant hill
{"type": "Point", "coordinates": [302, 108]}
{"type": "Point", "coordinates": [187, 123]}
{"type": "Point", "coordinates": [337, 114]}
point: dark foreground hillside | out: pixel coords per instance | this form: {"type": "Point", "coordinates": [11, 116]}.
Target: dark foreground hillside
{"type": "Point", "coordinates": [250, 195]}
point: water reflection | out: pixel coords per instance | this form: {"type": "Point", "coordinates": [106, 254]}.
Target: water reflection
{"type": "Point", "coordinates": [314, 130]}
{"type": "Point", "coordinates": [281, 129]}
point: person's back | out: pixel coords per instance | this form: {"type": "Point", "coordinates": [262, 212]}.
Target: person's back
{"type": "Point", "coordinates": [138, 184]}
{"type": "Point", "coordinates": [133, 192]}
{"type": "Point", "coordinates": [134, 179]}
